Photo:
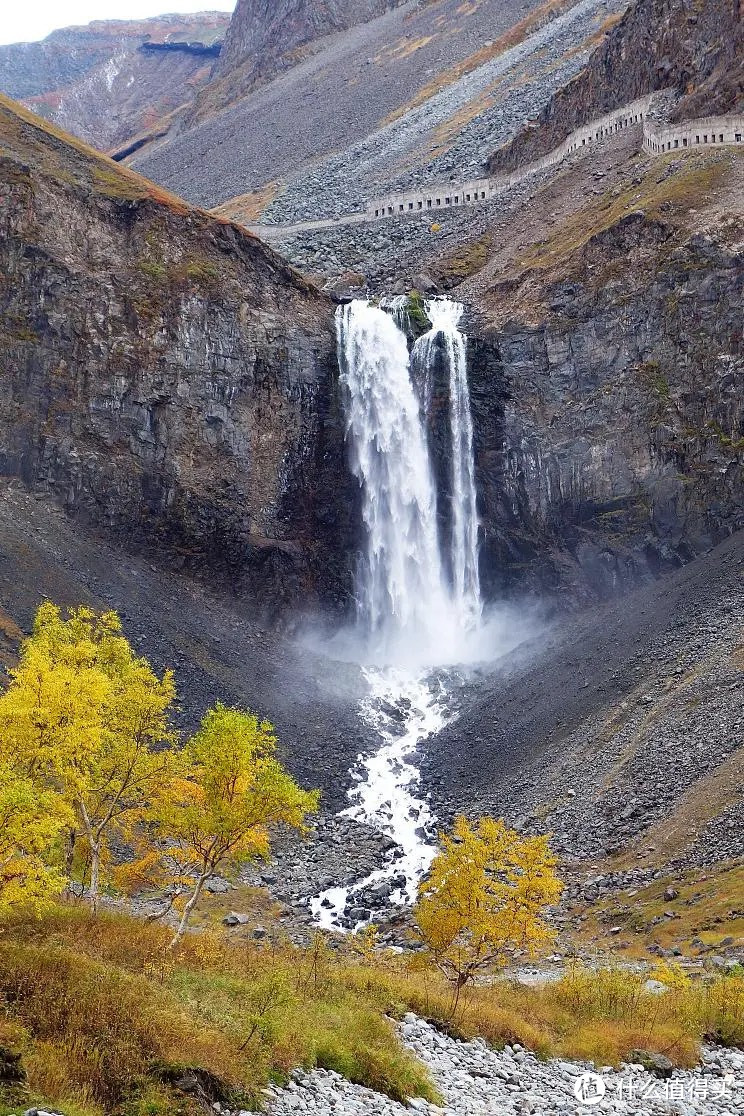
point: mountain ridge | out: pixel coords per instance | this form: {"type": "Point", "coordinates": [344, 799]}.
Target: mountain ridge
{"type": "Point", "coordinates": [95, 81]}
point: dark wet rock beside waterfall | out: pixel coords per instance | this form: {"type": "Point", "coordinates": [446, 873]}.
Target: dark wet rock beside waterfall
{"type": "Point", "coordinates": [186, 404]}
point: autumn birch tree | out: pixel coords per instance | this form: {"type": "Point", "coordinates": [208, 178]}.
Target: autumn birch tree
{"type": "Point", "coordinates": [485, 895]}
{"type": "Point", "coordinates": [31, 822]}
{"type": "Point", "coordinates": [87, 718]}
{"type": "Point", "coordinates": [218, 816]}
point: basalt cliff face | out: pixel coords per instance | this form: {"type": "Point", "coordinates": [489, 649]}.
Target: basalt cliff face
{"type": "Point", "coordinates": [693, 50]}
{"type": "Point", "coordinates": [611, 420]}
{"type": "Point", "coordinates": [606, 369]}
{"type": "Point", "coordinates": [166, 377]}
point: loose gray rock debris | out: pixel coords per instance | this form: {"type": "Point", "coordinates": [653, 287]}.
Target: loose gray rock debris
{"type": "Point", "coordinates": [477, 1081]}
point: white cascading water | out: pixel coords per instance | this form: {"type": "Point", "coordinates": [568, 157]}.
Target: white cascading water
{"type": "Point", "coordinates": [445, 318]}
{"type": "Point", "coordinates": [414, 618]}
{"type": "Point", "coordinates": [401, 592]}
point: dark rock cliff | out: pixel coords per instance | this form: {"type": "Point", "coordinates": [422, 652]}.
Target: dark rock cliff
{"type": "Point", "coordinates": [694, 49]}
{"type": "Point", "coordinates": [609, 413]}
{"type": "Point", "coordinates": [166, 376]}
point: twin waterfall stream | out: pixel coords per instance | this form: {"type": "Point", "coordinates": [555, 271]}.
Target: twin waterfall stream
{"type": "Point", "coordinates": [418, 590]}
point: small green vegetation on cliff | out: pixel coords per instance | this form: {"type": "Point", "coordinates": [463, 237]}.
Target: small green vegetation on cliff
{"type": "Point", "coordinates": [417, 311]}
{"type": "Point", "coordinates": [180, 273]}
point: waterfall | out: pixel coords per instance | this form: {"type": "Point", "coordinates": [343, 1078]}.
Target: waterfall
{"type": "Point", "coordinates": [405, 601]}
{"type": "Point", "coordinates": [401, 591]}
{"type": "Point", "coordinates": [414, 616]}
{"type": "Point", "coordinates": [445, 317]}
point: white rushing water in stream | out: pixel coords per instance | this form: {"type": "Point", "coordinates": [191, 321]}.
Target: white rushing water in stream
{"type": "Point", "coordinates": [418, 595]}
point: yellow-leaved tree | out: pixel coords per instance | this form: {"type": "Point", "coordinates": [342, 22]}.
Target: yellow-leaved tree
{"type": "Point", "coordinates": [485, 896]}
{"type": "Point", "coordinates": [86, 718]}
{"type": "Point", "coordinates": [31, 822]}
{"type": "Point", "coordinates": [217, 816]}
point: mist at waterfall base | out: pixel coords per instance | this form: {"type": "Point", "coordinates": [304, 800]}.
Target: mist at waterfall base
{"type": "Point", "coordinates": [418, 598]}
{"type": "Point", "coordinates": [421, 625]}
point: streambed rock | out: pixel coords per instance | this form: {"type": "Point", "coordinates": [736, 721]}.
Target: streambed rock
{"type": "Point", "coordinates": [475, 1080]}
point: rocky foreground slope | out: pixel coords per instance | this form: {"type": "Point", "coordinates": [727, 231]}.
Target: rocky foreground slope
{"type": "Point", "coordinates": [477, 1081]}
{"type": "Point", "coordinates": [165, 375]}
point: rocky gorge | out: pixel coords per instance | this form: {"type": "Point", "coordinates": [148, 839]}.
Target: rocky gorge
{"type": "Point", "coordinates": [457, 505]}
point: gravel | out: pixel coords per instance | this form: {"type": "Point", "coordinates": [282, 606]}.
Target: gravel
{"type": "Point", "coordinates": [525, 77]}
{"type": "Point", "coordinates": [611, 719]}
{"type": "Point", "coordinates": [474, 1080]}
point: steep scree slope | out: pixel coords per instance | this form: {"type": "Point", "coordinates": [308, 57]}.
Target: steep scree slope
{"type": "Point", "coordinates": [266, 36]}
{"type": "Point", "coordinates": [165, 375]}
{"type": "Point", "coordinates": [695, 49]}
{"type": "Point", "coordinates": [336, 96]}
{"type": "Point", "coordinates": [619, 730]}
{"type": "Point", "coordinates": [98, 83]}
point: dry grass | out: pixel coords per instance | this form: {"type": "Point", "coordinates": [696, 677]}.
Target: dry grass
{"type": "Point", "coordinates": [106, 1019]}
{"type": "Point", "coordinates": [660, 194]}
{"type": "Point", "coordinates": [43, 145]}
{"type": "Point", "coordinates": [108, 1016]}
{"type": "Point", "coordinates": [600, 1016]}
{"type": "Point", "coordinates": [246, 209]}
{"type": "Point", "coordinates": [709, 909]}
{"type": "Point", "coordinates": [465, 260]}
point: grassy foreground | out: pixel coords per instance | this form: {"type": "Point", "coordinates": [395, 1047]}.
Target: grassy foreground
{"type": "Point", "coordinates": [106, 1019]}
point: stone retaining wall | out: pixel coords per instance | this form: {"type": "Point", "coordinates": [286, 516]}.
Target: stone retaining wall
{"type": "Point", "coordinates": [475, 191]}
{"type": "Point", "coordinates": [694, 133]}
{"type": "Point", "coordinates": [657, 139]}
{"type": "Point", "coordinates": [708, 130]}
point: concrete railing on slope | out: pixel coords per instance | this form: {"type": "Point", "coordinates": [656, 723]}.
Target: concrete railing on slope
{"type": "Point", "coordinates": [475, 191]}
{"type": "Point", "coordinates": [657, 140]}
{"type": "Point", "coordinates": [712, 130]}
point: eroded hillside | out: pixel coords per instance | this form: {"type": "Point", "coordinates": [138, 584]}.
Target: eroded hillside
{"type": "Point", "coordinates": [166, 376]}
{"type": "Point", "coordinates": [112, 81]}
{"type": "Point", "coordinates": [423, 89]}
{"type": "Point", "coordinates": [696, 51]}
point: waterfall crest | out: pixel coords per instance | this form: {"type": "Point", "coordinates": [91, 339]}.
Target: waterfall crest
{"type": "Point", "coordinates": [407, 603]}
